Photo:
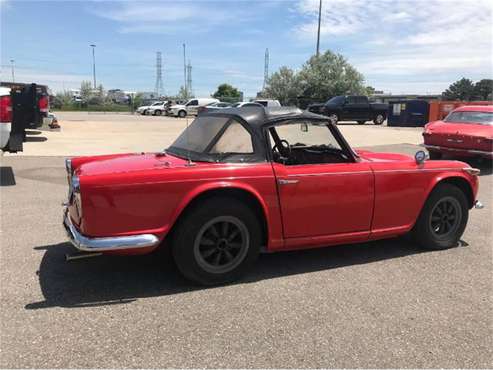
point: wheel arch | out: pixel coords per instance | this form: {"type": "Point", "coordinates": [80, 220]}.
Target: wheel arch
{"type": "Point", "coordinates": [459, 181]}
{"type": "Point", "coordinates": [237, 191]}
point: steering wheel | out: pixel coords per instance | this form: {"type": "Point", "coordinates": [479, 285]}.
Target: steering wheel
{"type": "Point", "coordinates": [283, 148]}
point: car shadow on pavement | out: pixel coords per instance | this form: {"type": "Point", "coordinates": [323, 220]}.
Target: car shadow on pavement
{"type": "Point", "coordinates": [36, 138]}
{"type": "Point", "coordinates": [109, 280]}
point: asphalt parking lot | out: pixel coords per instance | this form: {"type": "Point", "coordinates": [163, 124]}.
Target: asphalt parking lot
{"type": "Point", "coordinates": [380, 304]}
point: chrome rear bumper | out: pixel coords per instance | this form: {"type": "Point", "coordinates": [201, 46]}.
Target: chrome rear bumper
{"type": "Point", "coordinates": [468, 151]}
{"type": "Point", "coordinates": [86, 244]}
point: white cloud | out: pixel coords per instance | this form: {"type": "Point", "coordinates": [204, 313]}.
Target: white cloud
{"type": "Point", "coordinates": [166, 17]}
{"type": "Point", "coordinates": [403, 38]}
{"type": "Point", "coordinates": [55, 81]}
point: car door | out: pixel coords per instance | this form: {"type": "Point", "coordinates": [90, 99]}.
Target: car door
{"type": "Point", "coordinates": [349, 109]}
{"type": "Point", "coordinates": [322, 199]}
{"type": "Point", "coordinates": [192, 107]}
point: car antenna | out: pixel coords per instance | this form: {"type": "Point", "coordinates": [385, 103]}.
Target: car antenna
{"type": "Point", "coordinates": [189, 159]}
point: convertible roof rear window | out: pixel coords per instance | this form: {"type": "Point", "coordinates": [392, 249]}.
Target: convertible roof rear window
{"type": "Point", "coordinates": [200, 133]}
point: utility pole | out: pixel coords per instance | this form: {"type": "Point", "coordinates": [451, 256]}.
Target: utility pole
{"type": "Point", "coordinates": [93, 64]}
{"type": "Point", "coordinates": [266, 68]}
{"type": "Point", "coordinates": [12, 67]}
{"type": "Point", "coordinates": [189, 79]}
{"type": "Point", "coordinates": [159, 80]}
{"type": "Point", "coordinates": [185, 72]}
{"type": "Point", "coordinates": [318, 32]}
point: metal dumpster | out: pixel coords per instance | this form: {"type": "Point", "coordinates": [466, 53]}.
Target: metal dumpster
{"type": "Point", "coordinates": [408, 113]}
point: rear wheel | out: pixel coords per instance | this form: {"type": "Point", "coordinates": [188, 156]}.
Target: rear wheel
{"type": "Point", "coordinates": [443, 218]}
{"type": "Point", "coordinates": [182, 114]}
{"type": "Point", "coordinates": [157, 112]}
{"type": "Point", "coordinates": [379, 119]}
{"type": "Point", "coordinates": [216, 242]}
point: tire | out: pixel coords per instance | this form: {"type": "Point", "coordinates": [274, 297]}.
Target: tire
{"type": "Point", "coordinates": [157, 112]}
{"type": "Point", "coordinates": [435, 155]}
{"type": "Point", "coordinates": [143, 113]}
{"type": "Point", "coordinates": [361, 122]}
{"type": "Point", "coordinates": [379, 118]}
{"type": "Point", "coordinates": [182, 114]}
{"type": "Point", "coordinates": [431, 230]}
{"type": "Point", "coordinates": [333, 117]}
{"type": "Point", "coordinates": [202, 245]}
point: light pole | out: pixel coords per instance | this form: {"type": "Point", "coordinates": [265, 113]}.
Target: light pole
{"type": "Point", "coordinates": [93, 64]}
{"type": "Point", "coordinates": [185, 72]}
{"type": "Point", "coordinates": [12, 68]}
{"type": "Point", "coordinates": [319, 20]}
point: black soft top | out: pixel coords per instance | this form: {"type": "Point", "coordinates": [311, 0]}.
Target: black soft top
{"type": "Point", "coordinates": [258, 116]}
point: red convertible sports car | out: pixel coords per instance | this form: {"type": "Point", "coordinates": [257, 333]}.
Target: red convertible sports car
{"type": "Point", "coordinates": [244, 180]}
{"type": "Point", "coordinates": [466, 132]}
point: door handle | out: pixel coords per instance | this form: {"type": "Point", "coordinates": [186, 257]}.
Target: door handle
{"type": "Point", "coordinates": [287, 182]}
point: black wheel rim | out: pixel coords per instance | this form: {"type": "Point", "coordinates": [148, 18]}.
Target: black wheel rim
{"type": "Point", "coordinates": [445, 217]}
{"type": "Point", "coordinates": [221, 244]}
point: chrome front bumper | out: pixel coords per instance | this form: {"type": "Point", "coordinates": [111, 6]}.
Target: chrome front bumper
{"type": "Point", "coordinates": [86, 244]}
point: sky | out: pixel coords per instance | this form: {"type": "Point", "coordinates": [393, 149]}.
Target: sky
{"type": "Point", "coordinates": [400, 46]}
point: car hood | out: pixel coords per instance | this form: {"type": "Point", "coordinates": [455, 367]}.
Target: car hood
{"type": "Point", "coordinates": [382, 157]}
{"type": "Point", "coordinates": [469, 129]}
{"type": "Point", "coordinates": [126, 163]}
{"type": "Point", "coordinates": [143, 107]}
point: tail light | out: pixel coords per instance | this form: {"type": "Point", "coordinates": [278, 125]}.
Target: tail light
{"type": "Point", "coordinates": [5, 109]}
{"type": "Point", "coordinates": [44, 104]}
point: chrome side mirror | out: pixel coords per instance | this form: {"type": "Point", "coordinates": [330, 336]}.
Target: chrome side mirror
{"type": "Point", "coordinates": [420, 157]}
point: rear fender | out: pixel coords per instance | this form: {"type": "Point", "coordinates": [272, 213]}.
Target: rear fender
{"type": "Point", "coordinates": [204, 188]}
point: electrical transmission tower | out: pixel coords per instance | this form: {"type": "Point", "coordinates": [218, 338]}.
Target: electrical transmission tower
{"type": "Point", "coordinates": [158, 89]}
{"type": "Point", "coordinates": [189, 79]}
{"type": "Point", "coordinates": [266, 68]}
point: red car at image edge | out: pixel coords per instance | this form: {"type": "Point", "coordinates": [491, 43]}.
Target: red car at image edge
{"type": "Point", "coordinates": [466, 132]}
{"type": "Point", "coordinates": [242, 181]}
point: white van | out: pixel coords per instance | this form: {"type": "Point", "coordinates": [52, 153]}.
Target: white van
{"type": "Point", "coordinates": [190, 108]}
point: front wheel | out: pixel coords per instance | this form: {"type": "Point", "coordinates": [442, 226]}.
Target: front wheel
{"type": "Point", "coordinates": [379, 119]}
{"type": "Point", "coordinates": [333, 118]}
{"type": "Point", "coordinates": [144, 112]}
{"type": "Point", "coordinates": [443, 218]}
{"type": "Point", "coordinates": [217, 241]}
{"type": "Point", "coordinates": [157, 112]}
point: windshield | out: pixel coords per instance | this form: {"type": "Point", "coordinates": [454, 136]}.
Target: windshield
{"type": "Point", "coordinates": [336, 100]}
{"type": "Point", "coordinates": [483, 118]}
{"type": "Point", "coordinates": [213, 139]}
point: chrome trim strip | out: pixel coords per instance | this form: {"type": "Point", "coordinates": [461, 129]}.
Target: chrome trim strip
{"type": "Point", "coordinates": [472, 151]}
{"type": "Point", "coordinates": [419, 170]}
{"type": "Point", "coordinates": [329, 173]}
{"type": "Point", "coordinates": [86, 244]}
